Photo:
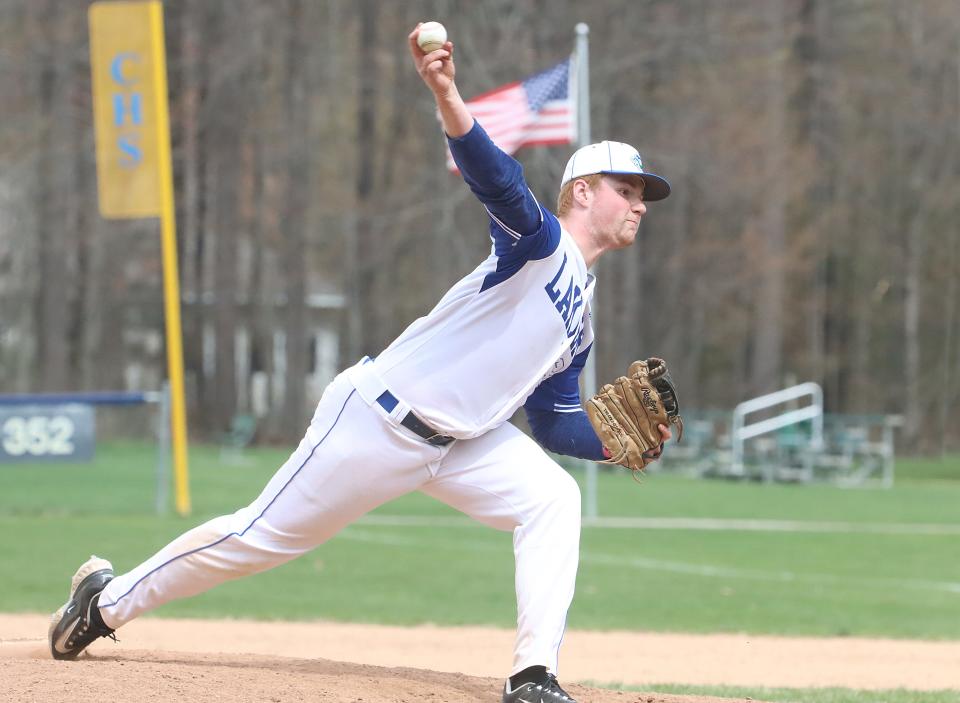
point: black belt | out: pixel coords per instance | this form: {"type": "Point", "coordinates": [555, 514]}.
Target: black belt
{"type": "Point", "coordinates": [388, 402]}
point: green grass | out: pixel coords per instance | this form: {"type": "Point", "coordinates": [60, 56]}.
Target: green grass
{"type": "Point", "coordinates": [802, 695]}
{"type": "Point", "coordinates": [942, 468]}
{"type": "Point", "coordinates": [663, 495]}
{"type": "Point", "coordinates": [831, 582]}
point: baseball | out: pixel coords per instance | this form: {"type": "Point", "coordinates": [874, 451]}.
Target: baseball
{"type": "Point", "coordinates": [431, 37]}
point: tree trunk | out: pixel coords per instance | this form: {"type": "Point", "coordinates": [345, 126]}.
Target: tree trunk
{"type": "Point", "coordinates": [294, 239]}
{"type": "Point", "coordinates": [363, 278]}
{"type": "Point", "coordinates": [915, 244]}
{"type": "Point", "coordinates": [192, 75]}
{"type": "Point", "coordinates": [950, 321]}
{"type": "Point", "coordinates": [225, 291]}
{"type": "Point", "coordinates": [767, 366]}
{"type": "Point", "coordinates": [819, 133]}
{"type": "Point", "coordinates": [56, 207]}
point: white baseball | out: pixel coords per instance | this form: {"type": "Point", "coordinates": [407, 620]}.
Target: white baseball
{"type": "Point", "coordinates": [432, 36]}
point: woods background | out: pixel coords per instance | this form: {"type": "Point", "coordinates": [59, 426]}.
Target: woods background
{"type": "Point", "coordinates": [812, 234]}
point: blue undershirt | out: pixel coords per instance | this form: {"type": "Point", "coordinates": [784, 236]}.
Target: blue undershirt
{"type": "Point", "coordinates": [566, 433]}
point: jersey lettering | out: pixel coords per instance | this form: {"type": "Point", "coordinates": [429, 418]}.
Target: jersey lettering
{"type": "Point", "coordinates": [564, 305]}
{"type": "Point", "coordinates": [568, 304]}
{"type": "Point", "coordinates": [577, 304]}
{"type": "Point", "coordinates": [577, 341]}
{"type": "Point", "coordinates": [552, 291]}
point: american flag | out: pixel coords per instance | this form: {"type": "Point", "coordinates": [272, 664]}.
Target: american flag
{"type": "Point", "coordinates": [538, 110]}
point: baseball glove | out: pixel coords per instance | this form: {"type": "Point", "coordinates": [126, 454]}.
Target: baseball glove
{"type": "Point", "coordinates": [626, 413]}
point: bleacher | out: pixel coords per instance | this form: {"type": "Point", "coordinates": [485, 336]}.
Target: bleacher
{"type": "Point", "coordinates": [797, 445]}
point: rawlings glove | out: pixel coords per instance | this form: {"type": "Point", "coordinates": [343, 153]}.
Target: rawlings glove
{"type": "Point", "coordinates": [626, 413]}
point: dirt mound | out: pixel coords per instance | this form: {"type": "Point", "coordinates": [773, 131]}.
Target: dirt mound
{"type": "Point", "coordinates": [146, 677]}
{"type": "Point", "coordinates": [239, 660]}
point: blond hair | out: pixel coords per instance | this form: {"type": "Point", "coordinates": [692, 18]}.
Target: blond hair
{"type": "Point", "coordinates": [565, 199]}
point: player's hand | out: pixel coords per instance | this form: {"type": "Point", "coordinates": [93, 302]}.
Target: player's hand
{"type": "Point", "coordinates": [665, 434]}
{"type": "Point", "coordinates": [436, 68]}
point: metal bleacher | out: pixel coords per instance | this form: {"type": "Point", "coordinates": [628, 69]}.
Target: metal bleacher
{"type": "Point", "coordinates": [786, 437]}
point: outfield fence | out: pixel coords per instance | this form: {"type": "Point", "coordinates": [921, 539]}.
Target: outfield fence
{"type": "Point", "coordinates": [64, 427]}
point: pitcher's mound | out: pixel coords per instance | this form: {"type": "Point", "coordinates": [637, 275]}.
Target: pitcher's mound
{"type": "Point", "coordinates": [30, 676]}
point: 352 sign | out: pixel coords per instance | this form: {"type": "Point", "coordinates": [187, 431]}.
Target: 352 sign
{"type": "Point", "coordinates": [46, 433]}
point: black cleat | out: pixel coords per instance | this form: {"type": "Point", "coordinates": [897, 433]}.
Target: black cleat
{"type": "Point", "coordinates": [71, 627]}
{"type": "Point", "coordinates": [548, 691]}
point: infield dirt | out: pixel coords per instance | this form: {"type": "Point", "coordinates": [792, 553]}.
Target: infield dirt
{"type": "Point", "coordinates": [203, 660]}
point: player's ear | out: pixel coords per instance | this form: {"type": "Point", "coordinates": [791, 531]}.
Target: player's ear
{"type": "Point", "coordinates": [582, 192]}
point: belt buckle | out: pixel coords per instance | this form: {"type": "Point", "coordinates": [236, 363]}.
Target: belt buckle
{"type": "Point", "coordinates": [439, 440]}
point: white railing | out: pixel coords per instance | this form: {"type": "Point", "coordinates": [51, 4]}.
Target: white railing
{"type": "Point", "coordinates": [741, 430]}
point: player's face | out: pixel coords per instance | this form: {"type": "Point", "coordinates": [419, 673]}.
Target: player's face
{"type": "Point", "coordinates": [617, 209]}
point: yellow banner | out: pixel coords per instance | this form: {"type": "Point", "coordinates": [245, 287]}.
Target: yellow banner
{"type": "Point", "coordinates": [134, 169]}
{"type": "Point", "coordinates": [122, 58]}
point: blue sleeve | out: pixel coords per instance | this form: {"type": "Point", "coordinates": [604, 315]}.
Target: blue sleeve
{"type": "Point", "coordinates": [566, 433]}
{"type": "Point", "coordinates": [497, 180]}
{"type": "Point", "coordinates": [561, 392]}
{"type": "Point", "coordinates": [556, 417]}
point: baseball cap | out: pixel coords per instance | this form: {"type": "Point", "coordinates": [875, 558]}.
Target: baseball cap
{"type": "Point", "coordinates": [617, 158]}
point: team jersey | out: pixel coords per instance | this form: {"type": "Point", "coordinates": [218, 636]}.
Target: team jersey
{"type": "Point", "coordinates": [521, 317]}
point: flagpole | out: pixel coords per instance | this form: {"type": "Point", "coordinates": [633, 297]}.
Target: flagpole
{"type": "Point", "coordinates": [583, 85]}
{"type": "Point", "coordinates": [583, 138]}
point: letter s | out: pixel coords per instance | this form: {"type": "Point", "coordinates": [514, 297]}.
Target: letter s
{"type": "Point", "coordinates": [132, 154]}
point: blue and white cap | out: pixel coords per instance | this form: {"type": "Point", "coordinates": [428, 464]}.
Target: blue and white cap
{"type": "Point", "coordinates": [617, 158]}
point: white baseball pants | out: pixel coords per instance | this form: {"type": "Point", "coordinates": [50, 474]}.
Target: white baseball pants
{"type": "Point", "coordinates": [355, 457]}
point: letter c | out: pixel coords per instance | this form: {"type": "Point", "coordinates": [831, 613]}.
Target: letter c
{"type": "Point", "coordinates": [116, 67]}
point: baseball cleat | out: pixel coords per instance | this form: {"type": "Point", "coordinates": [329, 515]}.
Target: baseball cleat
{"type": "Point", "coordinates": [72, 628]}
{"type": "Point", "coordinates": [548, 691]}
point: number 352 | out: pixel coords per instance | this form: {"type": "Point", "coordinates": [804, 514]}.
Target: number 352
{"type": "Point", "coordinates": [38, 436]}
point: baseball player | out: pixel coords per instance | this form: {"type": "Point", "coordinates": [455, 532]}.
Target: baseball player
{"type": "Point", "coordinates": [430, 412]}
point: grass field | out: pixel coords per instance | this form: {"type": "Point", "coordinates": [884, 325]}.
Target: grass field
{"type": "Point", "coordinates": [875, 562]}
{"type": "Point", "coordinates": [820, 695]}
{"type": "Point", "coordinates": [688, 556]}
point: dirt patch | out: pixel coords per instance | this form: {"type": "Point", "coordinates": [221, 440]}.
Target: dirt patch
{"type": "Point", "coordinates": [165, 676]}
{"type": "Point", "coordinates": [202, 660]}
